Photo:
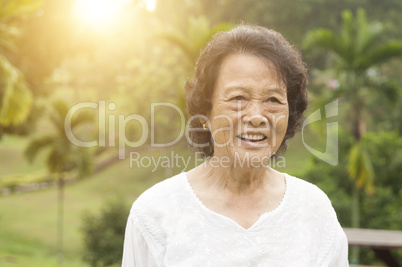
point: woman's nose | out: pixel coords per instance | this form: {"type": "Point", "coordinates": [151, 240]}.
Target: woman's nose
{"type": "Point", "coordinates": [254, 115]}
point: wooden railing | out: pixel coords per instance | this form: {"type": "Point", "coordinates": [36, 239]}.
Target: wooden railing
{"type": "Point", "coordinates": [380, 241]}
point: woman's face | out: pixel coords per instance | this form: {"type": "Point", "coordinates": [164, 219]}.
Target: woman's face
{"type": "Point", "coordinates": [249, 114]}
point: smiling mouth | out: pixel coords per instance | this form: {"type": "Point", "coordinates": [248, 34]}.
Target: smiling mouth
{"type": "Point", "coordinates": [252, 137]}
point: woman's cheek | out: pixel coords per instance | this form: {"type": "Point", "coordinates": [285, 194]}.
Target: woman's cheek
{"type": "Point", "coordinates": [222, 131]}
{"type": "Point", "coordinates": [278, 122]}
{"type": "Point", "coordinates": [276, 108]}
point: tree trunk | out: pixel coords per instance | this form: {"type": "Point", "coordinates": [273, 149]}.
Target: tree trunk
{"type": "Point", "coordinates": [60, 218]}
{"type": "Point", "coordinates": [355, 251]}
{"type": "Point", "coordinates": [356, 122]}
{"type": "Point", "coordinates": [357, 133]}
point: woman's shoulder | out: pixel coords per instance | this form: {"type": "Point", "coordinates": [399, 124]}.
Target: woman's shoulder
{"type": "Point", "coordinates": [313, 211]}
{"type": "Point", "coordinates": [307, 193]}
{"type": "Point", "coordinates": [162, 192]}
{"type": "Point", "coordinates": [150, 211]}
{"type": "Point", "coordinates": [161, 196]}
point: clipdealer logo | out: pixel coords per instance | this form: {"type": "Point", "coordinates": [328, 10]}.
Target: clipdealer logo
{"type": "Point", "coordinates": [331, 150]}
{"type": "Point", "coordinates": [118, 122]}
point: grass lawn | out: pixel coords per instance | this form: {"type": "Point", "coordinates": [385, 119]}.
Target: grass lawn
{"type": "Point", "coordinates": [12, 159]}
{"type": "Point", "coordinates": [28, 221]}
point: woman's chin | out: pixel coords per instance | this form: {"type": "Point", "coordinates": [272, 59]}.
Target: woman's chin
{"type": "Point", "coordinates": [254, 158]}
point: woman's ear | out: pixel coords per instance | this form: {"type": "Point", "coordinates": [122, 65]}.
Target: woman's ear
{"type": "Point", "coordinates": [204, 123]}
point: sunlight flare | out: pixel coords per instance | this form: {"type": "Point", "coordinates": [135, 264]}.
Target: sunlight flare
{"type": "Point", "coordinates": [150, 5]}
{"type": "Point", "coordinates": [98, 13]}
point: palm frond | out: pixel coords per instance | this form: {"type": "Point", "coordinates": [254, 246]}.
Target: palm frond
{"type": "Point", "coordinates": [360, 168]}
{"type": "Point", "coordinates": [389, 89]}
{"type": "Point", "coordinates": [347, 36]}
{"type": "Point", "coordinates": [381, 54]}
{"type": "Point", "coordinates": [367, 34]}
{"type": "Point", "coordinates": [322, 38]}
{"type": "Point", "coordinates": [375, 31]}
{"type": "Point", "coordinates": [58, 114]}
{"type": "Point", "coordinates": [36, 145]}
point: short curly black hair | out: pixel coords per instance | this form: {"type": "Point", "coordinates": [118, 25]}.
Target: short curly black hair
{"type": "Point", "coordinates": [264, 43]}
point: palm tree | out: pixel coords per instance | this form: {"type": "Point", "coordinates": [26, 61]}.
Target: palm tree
{"type": "Point", "coordinates": [359, 48]}
{"type": "Point", "coordinates": [62, 156]}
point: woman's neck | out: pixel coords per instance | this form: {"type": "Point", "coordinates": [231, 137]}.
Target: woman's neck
{"type": "Point", "coordinates": [237, 179]}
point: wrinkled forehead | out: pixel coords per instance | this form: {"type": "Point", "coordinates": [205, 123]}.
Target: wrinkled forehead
{"type": "Point", "coordinates": [266, 64]}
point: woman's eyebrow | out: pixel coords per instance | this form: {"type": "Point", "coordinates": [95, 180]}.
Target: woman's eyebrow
{"type": "Point", "coordinates": [269, 90]}
{"type": "Point", "coordinates": [275, 90]}
{"type": "Point", "coordinates": [231, 89]}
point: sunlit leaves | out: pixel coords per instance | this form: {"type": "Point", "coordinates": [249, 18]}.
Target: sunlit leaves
{"type": "Point", "coordinates": [10, 11]}
{"type": "Point", "coordinates": [15, 96]}
{"type": "Point", "coordinates": [16, 99]}
{"type": "Point", "coordinates": [18, 8]}
{"type": "Point", "coordinates": [199, 32]}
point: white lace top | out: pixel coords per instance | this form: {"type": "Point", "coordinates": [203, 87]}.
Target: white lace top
{"type": "Point", "coordinates": [169, 226]}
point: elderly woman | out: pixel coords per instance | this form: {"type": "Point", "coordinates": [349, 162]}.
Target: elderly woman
{"type": "Point", "coordinates": [246, 101]}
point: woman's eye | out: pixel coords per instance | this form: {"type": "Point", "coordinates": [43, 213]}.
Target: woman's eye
{"type": "Point", "coordinates": [273, 99]}
{"type": "Point", "coordinates": [238, 98]}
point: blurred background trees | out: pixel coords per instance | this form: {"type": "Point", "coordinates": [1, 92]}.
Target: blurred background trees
{"type": "Point", "coordinates": [102, 233]}
{"type": "Point", "coordinates": [63, 155]}
{"type": "Point", "coordinates": [134, 53]}
{"type": "Point", "coordinates": [15, 96]}
{"type": "Point", "coordinates": [359, 49]}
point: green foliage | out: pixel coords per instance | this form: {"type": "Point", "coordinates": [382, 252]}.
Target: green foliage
{"type": "Point", "coordinates": [386, 146]}
{"type": "Point", "coordinates": [62, 155]}
{"type": "Point", "coordinates": [360, 168]}
{"type": "Point", "coordinates": [16, 180]}
{"type": "Point", "coordinates": [378, 211]}
{"type": "Point", "coordinates": [104, 234]}
{"type": "Point", "coordinates": [358, 45]}
{"type": "Point", "coordinates": [15, 96]}
{"type": "Point", "coordinates": [199, 33]}
{"type": "Point", "coordinates": [10, 12]}
{"type": "Point", "coordinates": [334, 180]}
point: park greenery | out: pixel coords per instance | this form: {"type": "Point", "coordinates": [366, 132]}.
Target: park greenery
{"type": "Point", "coordinates": [64, 204]}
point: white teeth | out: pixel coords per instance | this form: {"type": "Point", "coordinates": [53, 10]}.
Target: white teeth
{"type": "Point", "coordinates": [252, 137]}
